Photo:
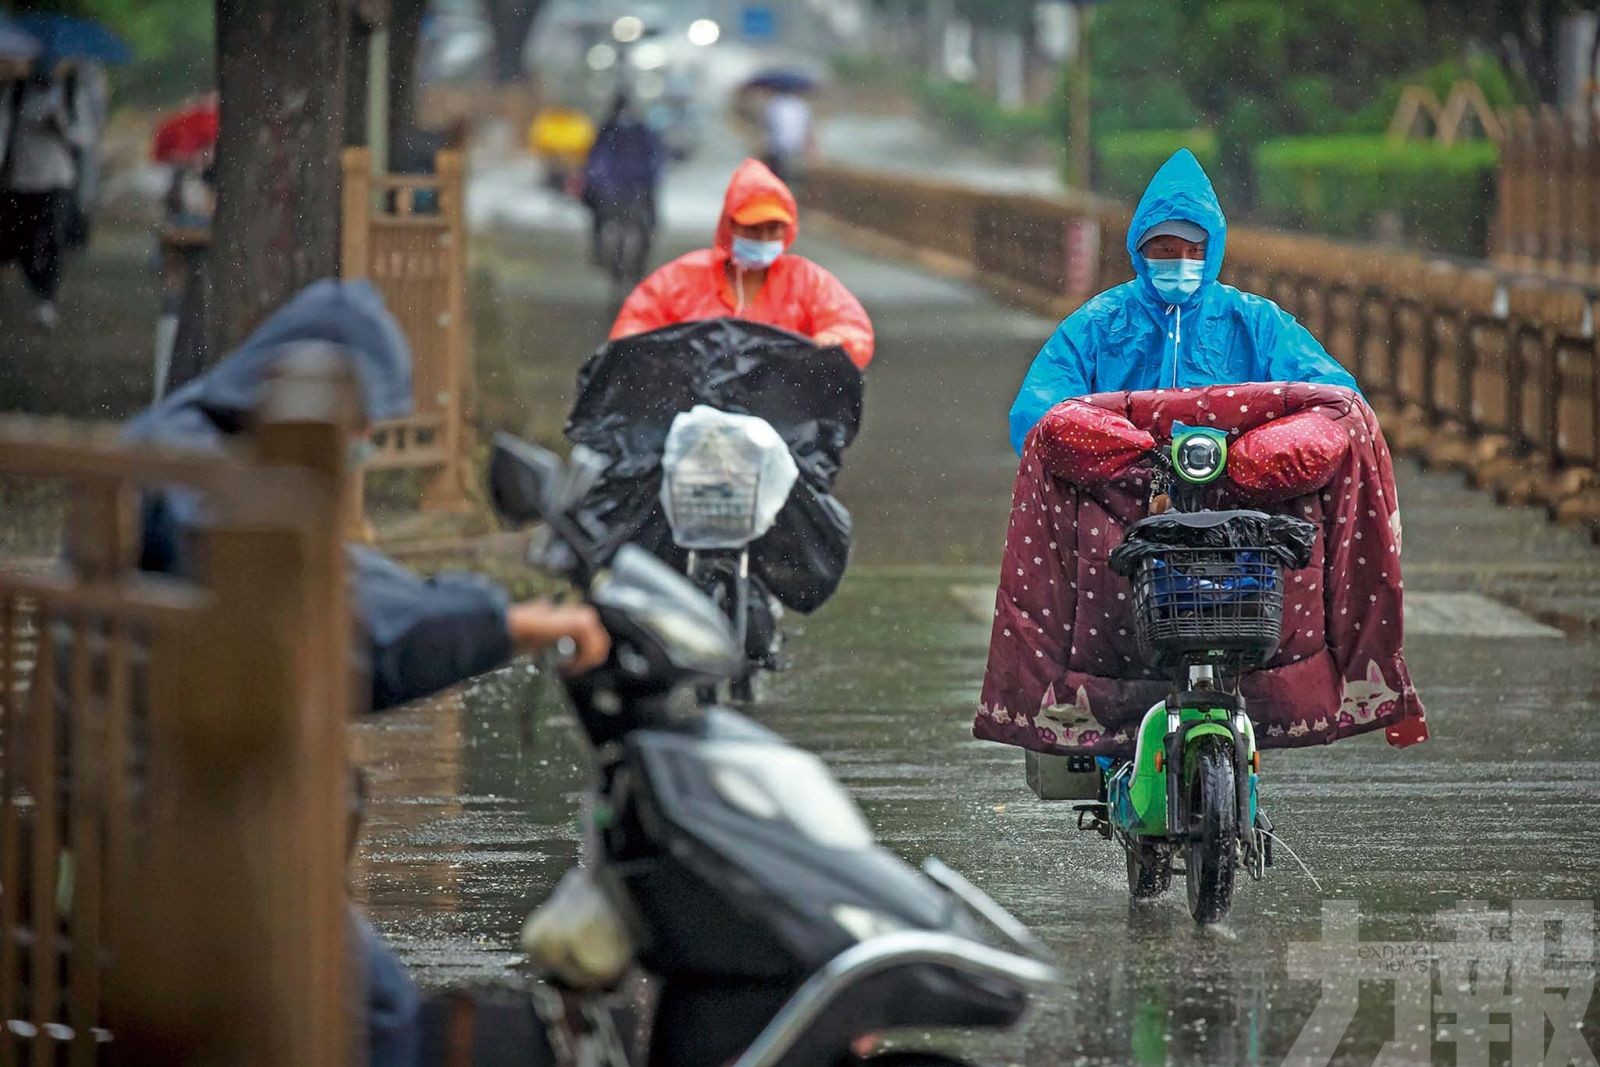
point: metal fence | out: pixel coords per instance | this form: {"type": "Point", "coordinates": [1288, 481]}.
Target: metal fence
{"type": "Point", "coordinates": [1468, 366]}
{"type": "Point", "coordinates": [173, 753]}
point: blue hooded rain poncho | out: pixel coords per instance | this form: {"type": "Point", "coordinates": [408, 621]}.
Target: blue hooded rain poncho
{"type": "Point", "coordinates": [1129, 338]}
{"type": "Point", "coordinates": [421, 635]}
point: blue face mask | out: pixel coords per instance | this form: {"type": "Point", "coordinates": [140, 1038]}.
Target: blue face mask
{"type": "Point", "coordinates": [755, 255]}
{"type": "Point", "coordinates": [1175, 280]}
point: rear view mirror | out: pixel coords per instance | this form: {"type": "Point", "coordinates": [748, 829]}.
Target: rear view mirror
{"type": "Point", "coordinates": [524, 479]}
{"type": "Point", "coordinates": [584, 468]}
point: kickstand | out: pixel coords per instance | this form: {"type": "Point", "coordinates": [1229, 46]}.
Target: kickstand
{"type": "Point", "coordinates": [1093, 818]}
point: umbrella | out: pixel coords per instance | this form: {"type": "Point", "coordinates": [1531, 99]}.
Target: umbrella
{"type": "Point", "coordinates": [16, 44]}
{"type": "Point", "coordinates": [185, 134]}
{"type": "Point", "coordinates": [782, 81]}
{"type": "Point", "coordinates": [64, 37]}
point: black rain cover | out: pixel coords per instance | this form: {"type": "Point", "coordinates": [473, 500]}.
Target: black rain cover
{"type": "Point", "coordinates": [630, 390]}
{"type": "Point", "coordinates": [1286, 540]}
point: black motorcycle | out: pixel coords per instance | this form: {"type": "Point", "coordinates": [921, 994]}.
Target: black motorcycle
{"type": "Point", "coordinates": [726, 864]}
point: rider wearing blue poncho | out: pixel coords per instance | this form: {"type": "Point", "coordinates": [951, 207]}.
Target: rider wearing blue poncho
{"type": "Point", "coordinates": [1174, 324]}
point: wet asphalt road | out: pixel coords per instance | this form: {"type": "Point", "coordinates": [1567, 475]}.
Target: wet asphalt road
{"type": "Point", "coordinates": [471, 826]}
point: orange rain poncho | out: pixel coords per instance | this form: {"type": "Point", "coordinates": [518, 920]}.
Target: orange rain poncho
{"type": "Point", "coordinates": [797, 295]}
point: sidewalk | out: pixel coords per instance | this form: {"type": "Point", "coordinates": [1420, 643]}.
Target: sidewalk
{"type": "Point", "coordinates": [96, 364]}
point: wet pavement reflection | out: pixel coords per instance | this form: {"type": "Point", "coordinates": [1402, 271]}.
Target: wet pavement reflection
{"type": "Point", "coordinates": [472, 822]}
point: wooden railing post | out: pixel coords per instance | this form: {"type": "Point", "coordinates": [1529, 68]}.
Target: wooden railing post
{"type": "Point", "coordinates": [239, 957]}
{"type": "Point", "coordinates": [355, 224]}
{"type": "Point", "coordinates": [446, 488]}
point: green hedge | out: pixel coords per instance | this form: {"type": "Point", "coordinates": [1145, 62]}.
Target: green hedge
{"type": "Point", "coordinates": [1363, 185]}
{"type": "Point", "coordinates": [1126, 161]}
{"type": "Point", "coordinates": [974, 114]}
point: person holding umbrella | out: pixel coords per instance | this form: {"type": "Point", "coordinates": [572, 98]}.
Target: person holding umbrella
{"type": "Point", "coordinates": [785, 120]}
{"type": "Point", "coordinates": [18, 49]}
{"type": "Point", "coordinates": [51, 131]}
{"type": "Point", "coordinates": [48, 129]}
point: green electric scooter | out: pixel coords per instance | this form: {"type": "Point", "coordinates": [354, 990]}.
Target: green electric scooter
{"type": "Point", "coordinates": [1208, 604]}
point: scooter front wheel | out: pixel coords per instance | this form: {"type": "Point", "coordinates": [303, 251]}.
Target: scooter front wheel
{"type": "Point", "coordinates": [1213, 849]}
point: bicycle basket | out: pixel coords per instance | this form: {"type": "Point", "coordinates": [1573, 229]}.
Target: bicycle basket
{"type": "Point", "coordinates": [724, 478]}
{"type": "Point", "coordinates": [1208, 605]}
{"type": "Point", "coordinates": [713, 509]}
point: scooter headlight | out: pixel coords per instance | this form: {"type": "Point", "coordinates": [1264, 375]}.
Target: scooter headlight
{"type": "Point", "coordinates": [1200, 457]}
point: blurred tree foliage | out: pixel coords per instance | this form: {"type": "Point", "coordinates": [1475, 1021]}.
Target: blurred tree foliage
{"type": "Point", "coordinates": [1522, 34]}
{"type": "Point", "coordinates": [1248, 69]}
{"type": "Point", "coordinates": [510, 21]}
{"type": "Point", "coordinates": [173, 42]}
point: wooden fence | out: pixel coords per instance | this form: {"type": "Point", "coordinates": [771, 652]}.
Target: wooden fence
{"type": "Point", "coordinates": [1489, 372]}
{"type": "Point", "coordinates": [407, 234]}
{"type": "Point", "coordinates": [1548, 215]}
{"type": "Point", "coordinates": [173, 774]}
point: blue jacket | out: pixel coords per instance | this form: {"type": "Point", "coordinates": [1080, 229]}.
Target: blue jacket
{"type": "Point", "coordinates": [1129, 338]}
{"type": "Point", "coordinates": [416, 635]}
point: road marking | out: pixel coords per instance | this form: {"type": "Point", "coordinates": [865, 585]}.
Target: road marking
{"type": "Point", "coordinates": [1433, 614]}
{"type": "Point", "coordinates": [975, 600]}
{"type": "Point", "coordinates": [1470, 615]}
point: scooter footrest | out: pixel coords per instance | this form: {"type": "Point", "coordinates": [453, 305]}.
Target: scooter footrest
{"type": "Point", "coordinates": [1094, 818]}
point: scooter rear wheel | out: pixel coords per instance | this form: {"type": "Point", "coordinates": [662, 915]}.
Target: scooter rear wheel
{"type": "Point", "coordinates": [1213, 832]}
{"type": "Point", "coordinates": [1149, 871]}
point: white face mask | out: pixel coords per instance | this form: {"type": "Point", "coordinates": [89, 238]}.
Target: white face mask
{"type": "Point", "coordinates": [1175, 280]}
{"type": "Point", "coordinates": [749, 254]}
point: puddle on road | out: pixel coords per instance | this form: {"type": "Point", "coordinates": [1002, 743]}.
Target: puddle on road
{"type": "Point", "coordinates": [469, 829]}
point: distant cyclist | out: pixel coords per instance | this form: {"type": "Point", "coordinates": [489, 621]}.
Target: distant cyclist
{"type": "Point", "coordinates": [620, 178]}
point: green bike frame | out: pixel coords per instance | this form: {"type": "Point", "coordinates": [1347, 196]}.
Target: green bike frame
{"type": "Point", "coordinates": [1141, 795]}
{"type": "Point", "coordinates": [1138, 794]}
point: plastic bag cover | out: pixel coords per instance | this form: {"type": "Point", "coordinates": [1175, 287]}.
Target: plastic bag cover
{"type": "Point", "coordinates": [1284, 539]}
{"type": "Point", "coordinates": [1287, 457]}
{"type": "Point", "coordinates": [742, 460]}
{"type": "Point", "coordinates": [631, 390]}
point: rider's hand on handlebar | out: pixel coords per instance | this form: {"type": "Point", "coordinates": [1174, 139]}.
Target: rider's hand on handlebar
{"type": "Point", "coordinates": [537, 625]}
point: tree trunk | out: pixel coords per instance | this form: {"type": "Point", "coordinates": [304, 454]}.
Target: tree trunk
{"type": "Point", "coordinates": [1539, 35]}
{"type": "Point", "coordinates": [510, 21]}
{"type": "Point", "coordinates": [281, 76]}
{"type": "Point", "coordinates": [357, 70]}
{"type": "Point", "coordinates": [405, 31]}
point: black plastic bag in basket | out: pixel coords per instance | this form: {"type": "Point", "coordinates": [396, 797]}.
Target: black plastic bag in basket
{"type": "Point", "coordinates": [1281, 539]}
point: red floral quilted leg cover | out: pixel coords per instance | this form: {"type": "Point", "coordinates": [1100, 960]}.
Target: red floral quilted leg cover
{"type": "Point", "coordinates": [1064, 672]}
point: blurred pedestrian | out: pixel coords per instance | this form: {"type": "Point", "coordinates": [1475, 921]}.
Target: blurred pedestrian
{"type": "Point", "coordinates": [786, 127]}
{"type": "Point", "coordinates": [414, 635]}
{"type": "Point", "coordinates": [47, 129]}
{"type": "Point", "coordinates": [622, 172]}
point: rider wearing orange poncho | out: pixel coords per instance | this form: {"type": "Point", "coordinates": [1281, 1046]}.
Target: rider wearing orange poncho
{"type": "Point", "coordinates": [749, 273]}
